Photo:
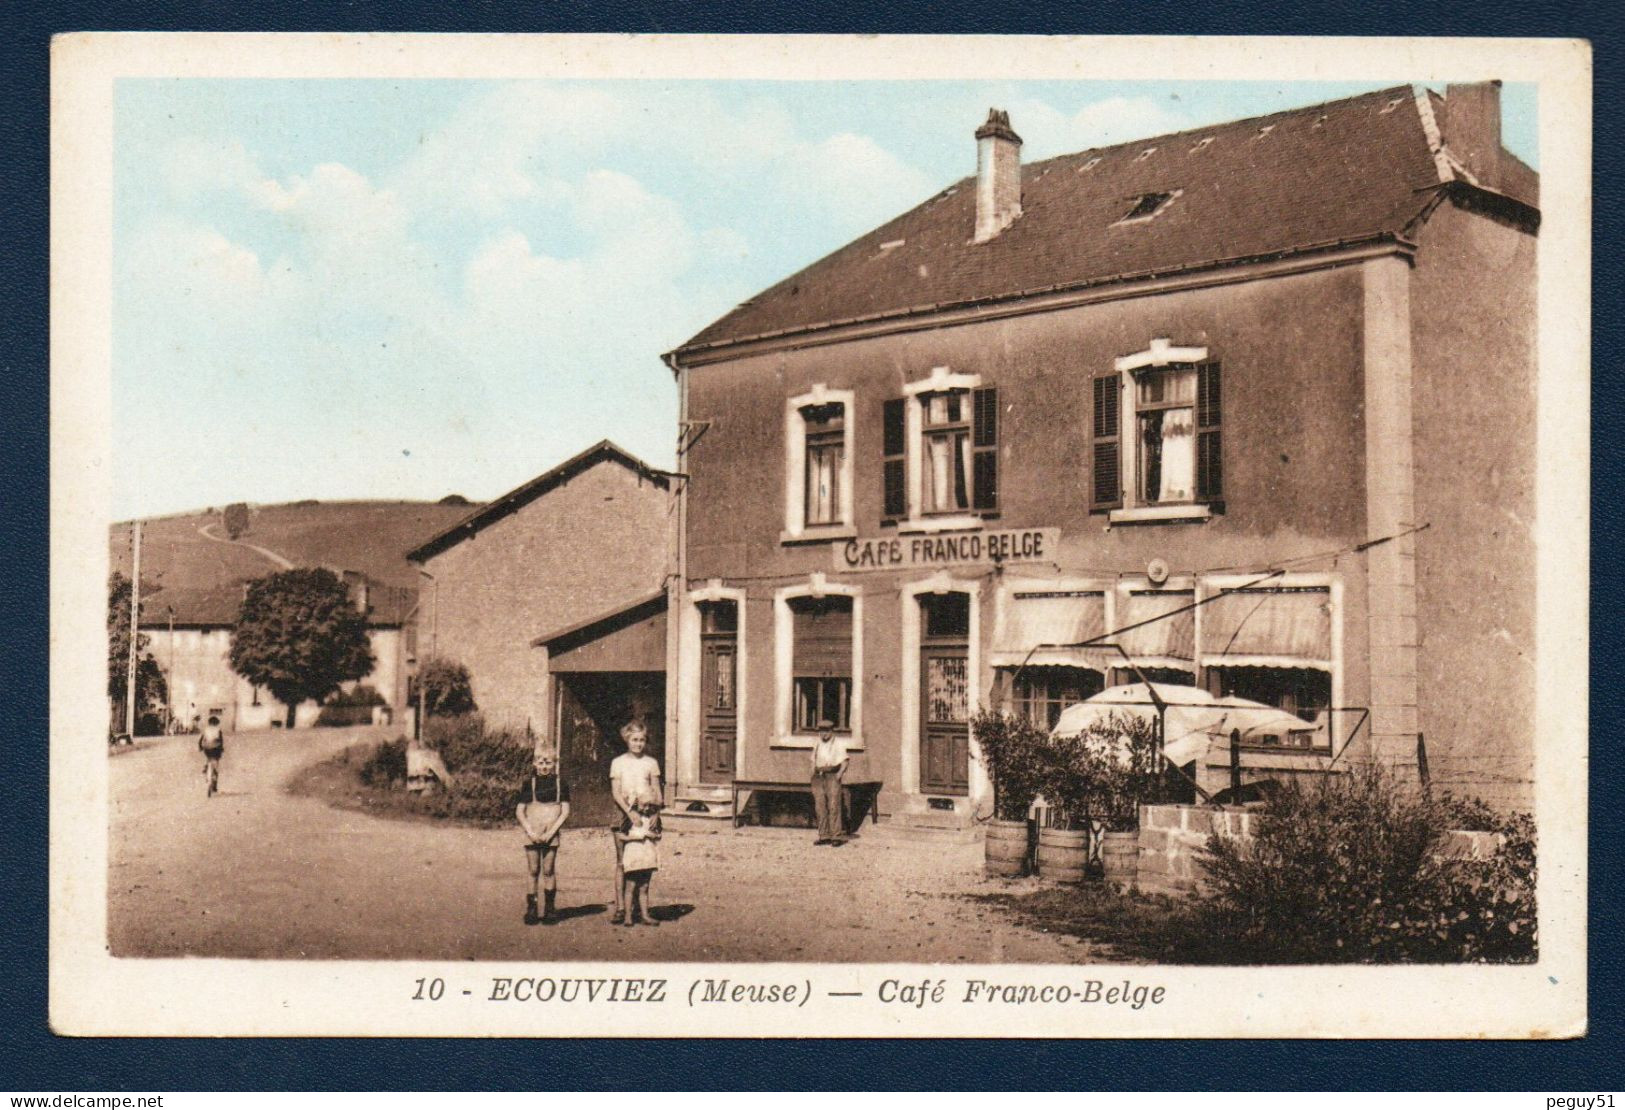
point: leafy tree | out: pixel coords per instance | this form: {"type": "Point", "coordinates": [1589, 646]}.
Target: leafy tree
{"type": "Point", "coordinates": [236, 519]}
{"type": "Point", "coordinates": [447, 690]}
{"type": "Point", "coordinates": [151, 689]}
{"type": "Point", "coordinates": [300, 636]}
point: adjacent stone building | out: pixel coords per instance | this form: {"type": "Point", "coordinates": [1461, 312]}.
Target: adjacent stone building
{"type": "Point", "coordinates": [1248, 408]}
{"type": "Point", "coordinates": [554, 562]}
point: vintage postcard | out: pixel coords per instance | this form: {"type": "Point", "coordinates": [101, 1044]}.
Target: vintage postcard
{"type": "Point", "coordinates": [678, 536]}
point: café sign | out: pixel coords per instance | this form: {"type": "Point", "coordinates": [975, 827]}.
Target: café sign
{"type": "Point", "coordinates": [1014, 545]}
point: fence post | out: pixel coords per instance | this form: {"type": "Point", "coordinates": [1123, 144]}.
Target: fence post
{"type": "Point", "coordinates": [1235, 765]}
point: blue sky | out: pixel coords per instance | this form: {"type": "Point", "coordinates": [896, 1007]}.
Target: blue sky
{"type": "Point", "coordinates": [404, 289]}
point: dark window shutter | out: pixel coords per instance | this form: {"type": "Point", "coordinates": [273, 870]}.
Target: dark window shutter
{"type": "Point", "coordinates": [1209, 439]}
{"type": "Point", "coordinates": [893, 447]}
{"type": "Point", "coordinates": [1106, 449]}
{"type": "Point", "coordinates": [984, 440]}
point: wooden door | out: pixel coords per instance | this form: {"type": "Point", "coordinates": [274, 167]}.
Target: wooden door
{"type": "Point", "coordinates": [944, 719]}
{"type": "Point", "coordinates": [719, 707]}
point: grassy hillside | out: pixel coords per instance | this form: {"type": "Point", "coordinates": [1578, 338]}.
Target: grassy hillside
{"type": "Point", "coordinates": [369, 536]}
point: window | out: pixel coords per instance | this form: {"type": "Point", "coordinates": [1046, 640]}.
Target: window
{"type": "Point", "coordinates": [1162, 458]}
{"type": "Point", "coordinates": [952, 434]}
{"type": "Point", "coordinates": [818, 465]}
{"type": "Point", "coordinates": [1041, 693]}
{"type": "Point", "coordinates": [826, 451]}
{"type": "Point", "coordinates": [821, 667]}
{"type": "Point", "coordinates": [1305, 692]}
{"type": "Point", "coordinates": [945, 453]}
{"type": "Point", "coordinates": [1165, 412]}
{"type": "Point", "coordinates": [1147, 205]}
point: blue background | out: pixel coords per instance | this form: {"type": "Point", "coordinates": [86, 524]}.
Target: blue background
{"type": "Point", "coordinates": [31, 1059]}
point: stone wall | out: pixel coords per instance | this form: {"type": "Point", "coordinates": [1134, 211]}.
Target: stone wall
{"type": "Point", "coordinates": [1173, 837]}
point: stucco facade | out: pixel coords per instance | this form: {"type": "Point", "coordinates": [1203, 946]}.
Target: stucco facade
{"type": "Point", "coordinates": [196, 661]}
{"type": "Point", "coordinates": [590, 535]}
{"type": "Point", "coordinates": [1362, 467]}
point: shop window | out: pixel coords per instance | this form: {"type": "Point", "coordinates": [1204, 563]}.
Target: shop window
{"type": "Point", "coordinates": [826, 453]}
{"type": "Point", "coordinates": [1040, 694]}
{"type": "Point", "coordinates": [1305, 692]}
{"type": "Point", "coordinates": [1164, 676]}
{"type": "Point", "coordinates": [821, 668]}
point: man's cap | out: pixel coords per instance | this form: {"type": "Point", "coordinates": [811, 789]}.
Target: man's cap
{"type": "Point", "coordinates": [826, 723]}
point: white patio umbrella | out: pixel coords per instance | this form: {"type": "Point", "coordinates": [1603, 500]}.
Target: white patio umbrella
{"type": "Point", "coordinates": [1195, 720]}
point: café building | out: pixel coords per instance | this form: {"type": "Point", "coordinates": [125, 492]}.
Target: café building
{"type": "Point", "coordinates": [1243, 409]}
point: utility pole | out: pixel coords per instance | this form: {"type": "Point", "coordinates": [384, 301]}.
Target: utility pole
{"type": "Point", "coordinates": [135, 631]}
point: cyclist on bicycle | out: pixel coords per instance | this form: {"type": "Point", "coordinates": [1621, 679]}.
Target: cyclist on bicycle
{"type": "Point", "coordinates": [212, 743]}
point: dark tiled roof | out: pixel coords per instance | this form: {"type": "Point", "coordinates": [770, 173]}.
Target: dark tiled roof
{"type": "Point", "coordinates": [516, 499]}
{"type": "Point", "coordinates": [219, 606]}
{"type": "Point", "coordinates": [213, 606]}
{"type": "Point", "coordinates": [1345, 171]}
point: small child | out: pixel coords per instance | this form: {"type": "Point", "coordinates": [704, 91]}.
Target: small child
{"type": "Point", "coordinates": [640, 859]}
{"type": "Point", "coordinates": [212, 743]}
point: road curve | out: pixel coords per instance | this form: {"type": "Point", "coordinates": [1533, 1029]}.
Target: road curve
{"type": "Point", "coordinates": [258, 873]}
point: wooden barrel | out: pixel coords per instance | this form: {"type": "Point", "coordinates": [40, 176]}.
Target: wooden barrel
{"type": "Point", "coordinates": [1062, 854]}
{"type": "Point", "coordinates": [1006, 847]}
{"type": "Point", "coordinates": [1120, 858]}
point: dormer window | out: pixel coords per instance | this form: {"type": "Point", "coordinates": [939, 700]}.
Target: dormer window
{"type": "Point", "coordinates": [1148, 205]}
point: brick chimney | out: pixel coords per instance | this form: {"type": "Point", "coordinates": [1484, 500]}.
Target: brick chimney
{"type": "Point", "coordinates": [998, 175]}
{"type": "Point", "coordinates": [1471, 127]}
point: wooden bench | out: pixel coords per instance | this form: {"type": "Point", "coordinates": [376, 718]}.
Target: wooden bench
{"type": "Point", "coordinates": [868, 789]}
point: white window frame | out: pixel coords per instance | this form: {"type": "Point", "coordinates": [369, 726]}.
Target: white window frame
{"type": "Point", "coordinates": [1161, 354]}
{"type": "Point", "coordinates": [796, 528]}
{"type": "Point", "coordinates": [940, 380]}
{"type": "Point", "coordinates": [942, 582]}
{"type": "Point", "coordinates": [784, 733]}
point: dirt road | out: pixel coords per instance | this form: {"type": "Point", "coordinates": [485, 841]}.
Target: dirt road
{"type": "Point", "coordinates": [255, 872]}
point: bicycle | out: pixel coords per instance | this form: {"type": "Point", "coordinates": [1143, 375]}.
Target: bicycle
{"type": "Point", "coordinates": [211, 776]}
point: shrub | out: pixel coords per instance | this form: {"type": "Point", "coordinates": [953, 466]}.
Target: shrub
{"type": "Point", "coordinates": [1105, 774]}
{"type": "Point", "coordinates": [446, 688]}
{"type": "Point", "coordinates": [350, 707]}
{"type": "Point", "coordinates": [1351, 869]}
{"type": "Point", "coordinates": [385, 766]}
{"type": "Point", "coordinates": [236, 519]}
{"type": "Point", "coordinates": [487, 766]}
{"type": "Point", "coordinates": [1013, 751]}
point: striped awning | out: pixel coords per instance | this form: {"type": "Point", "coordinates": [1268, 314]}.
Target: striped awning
{"type": "Point", "coordinates": [1287, 626]}
{"type": "Point", "coordinates": [1166, 642]}
{"type": "Point", "coordinates": [1039, 625]}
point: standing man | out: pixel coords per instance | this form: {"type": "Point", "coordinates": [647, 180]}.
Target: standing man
{"type": "Point", "coordinates": [634, 783]}
{"type": "Point", "coordinates": [829, 760]}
